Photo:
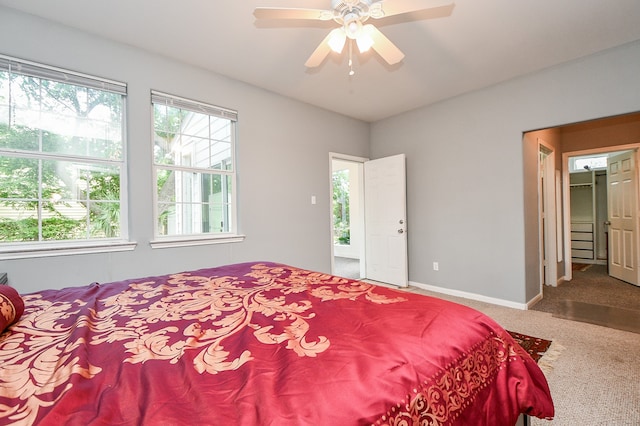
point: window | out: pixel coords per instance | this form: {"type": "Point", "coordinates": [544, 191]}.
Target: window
{"type": "Point", "coordinates": [580, 164]}
{"type": "Point", "coordinates": [61, 157]}
{"type": "Point", "coordinates": [194, 165]}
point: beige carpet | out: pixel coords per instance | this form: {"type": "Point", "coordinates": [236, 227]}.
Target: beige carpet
{"type": "Point", "coordinates": [595, 380]}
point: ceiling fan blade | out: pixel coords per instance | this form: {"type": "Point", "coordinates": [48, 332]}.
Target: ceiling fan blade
{"type": "Point", "coordinates": [320, 53]}
{"type": "Point", "coordinates": [426, 8]}
{"type": "Point", "coordinates": [383, 45]}
{"type": "Point", "coordinates": [292, 13]}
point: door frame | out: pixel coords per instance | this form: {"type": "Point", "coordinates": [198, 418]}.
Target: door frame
{"type": "Point", "coordinates": [549, 224]}
{"type": "Point", "coordinates": [360, 161]}
{"type": "Point", "coordinates": [566, 200]}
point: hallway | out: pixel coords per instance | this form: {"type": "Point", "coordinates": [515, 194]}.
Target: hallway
{"type": "Point", "coordinates": [595, 297]}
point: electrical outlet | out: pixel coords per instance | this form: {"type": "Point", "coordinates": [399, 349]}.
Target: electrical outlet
{"type": "Point", "coordinates": [436, 266]}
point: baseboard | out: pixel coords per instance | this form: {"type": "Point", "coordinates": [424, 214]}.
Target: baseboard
{"type": "Point", "coordinates": [472, 296]}
{"type": "Point", "coordinates": [533, 301]}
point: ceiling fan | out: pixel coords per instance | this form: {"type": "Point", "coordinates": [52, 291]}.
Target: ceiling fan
{"type": "Point", "coordinates": [351, 15]}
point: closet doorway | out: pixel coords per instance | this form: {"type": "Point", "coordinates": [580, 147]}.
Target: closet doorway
{"type": "Point", "coordinates": [602, 210]}
{"type": "Point", "coordinates": [588, 207]}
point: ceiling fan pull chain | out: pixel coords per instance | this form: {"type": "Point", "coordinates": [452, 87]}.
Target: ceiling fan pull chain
{"type": "Point", "coordinates": [351, 71]}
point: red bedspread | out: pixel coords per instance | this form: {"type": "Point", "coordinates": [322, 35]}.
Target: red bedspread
{"type": "Point", "coordinates": [260, 344]}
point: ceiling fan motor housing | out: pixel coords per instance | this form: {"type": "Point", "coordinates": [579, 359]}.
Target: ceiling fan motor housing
{"type": "Point", "coordinates": [346, 11]}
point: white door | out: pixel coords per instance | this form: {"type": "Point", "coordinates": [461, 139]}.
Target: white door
{"type": "Point", "coordinates": [622, 185]}
{"type": "Point", "coordinates": [386, 220]}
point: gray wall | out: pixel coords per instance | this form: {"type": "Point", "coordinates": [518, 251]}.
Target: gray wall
{"type": "Point", "coordinates": [466, 176]}
{"type": "Point", "coordinates": [282, 161]}
{"type": "Point", "coordinates": [465, 170]}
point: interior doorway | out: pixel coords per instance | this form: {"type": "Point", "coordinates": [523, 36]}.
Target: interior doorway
{"type": "Point", "coordinates": [369, 239]}
{"type": "Point", "coordinates": [604, 134]}
{"type": "Point", "coordinates": [596, 213]}
{"type": "Point", "coordinates": [588, 211]}
{"type": "Point", "coordinates": [347, 217]}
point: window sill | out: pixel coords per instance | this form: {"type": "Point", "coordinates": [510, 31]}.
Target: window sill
{"type": "Point", "coordinates": [62, 249]}
{"type": "Point", "coordinates": [195, 241]}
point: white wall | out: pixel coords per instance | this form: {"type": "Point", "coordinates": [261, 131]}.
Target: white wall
{"type": "Point", "coordinates": [282, 161]}
{"type": "Point", "coordinates": [465, 172]}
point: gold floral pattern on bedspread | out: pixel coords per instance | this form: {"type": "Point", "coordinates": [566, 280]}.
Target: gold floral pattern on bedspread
{"type": "Point", "coordinates": [37, 356]}
{"type": "Point", "coordinates": [441, 399]}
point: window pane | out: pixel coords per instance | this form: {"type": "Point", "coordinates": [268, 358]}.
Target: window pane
{"type": "Point", "coordinates": [18, 222]}
{"type": "Point", "coordinates": [163, 147]}
{"type": "Point", "coordinates": [19, 137]}
{"type": "Point", "coordinates": [102, 182]}
{"type": "Point", "coordinates": [193, 203]}
{"type": "Point", "coordinates": [195, 124]}
{"type": "Point", "coordinates": [221, 136]}
{"type": "Point", "coordinates": [57, 226]}
{"type": "Point", "coordinates": [221, 155]}
{"type": "Point", "coordinates": [166, 215]}
{"type": "Point", "coordinates": [65, 119]}
{"type": "Point", "coordinates": [18, 179]}
{"type": "Point", "coordinates": [167, 119]}
{"type": "Point", "coordinates": [98, 190]}
{"type": "Point", "coordinates": [104, 219]}
{"type": "Point", "coordinates": [166, 184]}
{"type": "Point", "coordinates": [198, 151]}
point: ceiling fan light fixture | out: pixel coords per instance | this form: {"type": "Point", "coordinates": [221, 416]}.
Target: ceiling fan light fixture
{"type": "Point", "coordinates": [337, 39]}
{"type": "Point", "coordinates": [352, 25]}
{"type": "Point", "coordinates": [365, 39]}
{"type": "Point", "coordinates": [364, 43]}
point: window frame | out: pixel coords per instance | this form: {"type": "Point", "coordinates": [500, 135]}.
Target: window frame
{"type": "Point", "coordinates": [200, 238]}
{"type": "Point", "coordinates": [30, 249]}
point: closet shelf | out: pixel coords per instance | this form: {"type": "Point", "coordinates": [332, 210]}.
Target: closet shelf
{"type": "Point", "coordinates": [583, 214]}
{"type": "Point", "coordinates": [581, 185]}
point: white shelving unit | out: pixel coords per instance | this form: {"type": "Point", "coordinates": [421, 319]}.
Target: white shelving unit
{"type": "Point", "coordinates": [583, 216]}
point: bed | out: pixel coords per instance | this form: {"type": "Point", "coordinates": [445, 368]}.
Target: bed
{"type": "Point", "coordinates": [258, 343]}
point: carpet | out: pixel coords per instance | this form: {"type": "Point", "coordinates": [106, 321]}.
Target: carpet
{"type": "Point", "coordinates": [580, 266]}
{"type": "Point", "coordinates": [535, 346]}
{"type": "Point", "coordinates": [544, 352]}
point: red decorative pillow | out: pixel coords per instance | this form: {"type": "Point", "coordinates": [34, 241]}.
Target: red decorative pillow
{"type": "Point", "coordinates": [11, 306]}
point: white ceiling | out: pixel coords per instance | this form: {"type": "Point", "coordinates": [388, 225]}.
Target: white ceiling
{"type": "Point", "coordinates": [482, 43]}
